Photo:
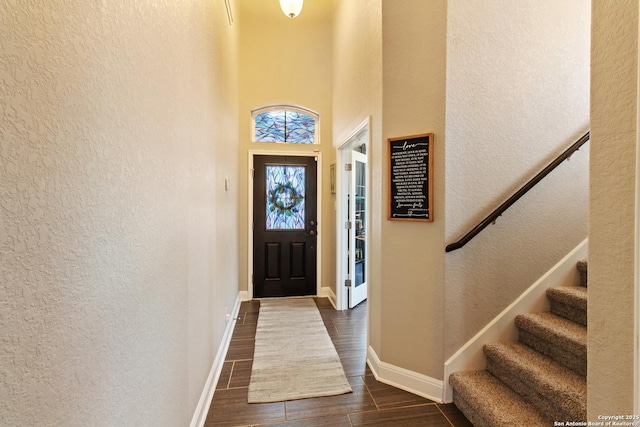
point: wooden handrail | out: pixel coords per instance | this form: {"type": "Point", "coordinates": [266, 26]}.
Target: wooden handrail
{"type": "Point", "coordinates": [521, 192]}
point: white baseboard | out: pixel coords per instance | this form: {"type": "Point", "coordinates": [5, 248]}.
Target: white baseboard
{"type": "Point", "coordinates": [200, 415]}
{"type": "Point", "coordinates": [327, 292]}
{"type": "Point", "coordinates": [244, 296]}
{"type": "Point", "coordinates": [471, 357]}
{"type": "Point", "coordinates": [404, 379]}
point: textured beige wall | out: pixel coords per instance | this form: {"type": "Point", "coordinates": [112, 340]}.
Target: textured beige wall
{"type": "Point", "coordinates": [614, 131]}
{"type": "Point", "coordinates": [285, 61]}
{"type": "Point", "coordinates": [494, 79]}
{"type": "Point", "coordinates": [118, 124]}
{"type": "Point", "coordinates": [357, 95]}
{"type": "Point", "coordinates": [517, 96]}
{"type": "Point", "coordinates": [414, 74]}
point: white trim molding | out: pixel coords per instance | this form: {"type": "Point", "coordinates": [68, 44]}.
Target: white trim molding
{"type": "Point", "coordinates": [404, 379]}
{"type": "Point", "coordinates": [244, 296]}
{"type": "Point", "coordinates": [470, 357]}
{"type": "Point", "coordinates": [200, 415]}
{"type": "Point", "coordinates": [327, 292]}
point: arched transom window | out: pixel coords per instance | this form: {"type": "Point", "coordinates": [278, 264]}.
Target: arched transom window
{"type": "Point", "coordinates": [285, 123]}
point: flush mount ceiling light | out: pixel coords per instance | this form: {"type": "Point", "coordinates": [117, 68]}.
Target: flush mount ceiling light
{"type": "Point", "coordinates": [291, 8]}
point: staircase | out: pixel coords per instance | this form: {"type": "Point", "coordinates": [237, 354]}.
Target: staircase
{"type": "Point", "coordinates": [539, 379]}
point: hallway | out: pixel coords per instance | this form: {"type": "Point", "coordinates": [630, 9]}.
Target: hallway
{"type": "Point", "coordinates": [371, 403]}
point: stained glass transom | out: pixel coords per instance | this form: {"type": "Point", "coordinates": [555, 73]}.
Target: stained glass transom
{"type": "Point", "coordinates": [285, 197]}
{"type": "Point", "coordinates": [285, 126]}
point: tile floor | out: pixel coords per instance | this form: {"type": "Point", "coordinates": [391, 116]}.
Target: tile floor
{"type": "Point", "coordinates": [372, 403]}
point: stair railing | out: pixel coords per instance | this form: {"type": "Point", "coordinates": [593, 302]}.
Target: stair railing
{"type": "Point", "coordinates": [491, 218]}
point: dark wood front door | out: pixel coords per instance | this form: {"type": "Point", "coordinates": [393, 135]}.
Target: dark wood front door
{"type": "Point", "coordinates": [284, 226]}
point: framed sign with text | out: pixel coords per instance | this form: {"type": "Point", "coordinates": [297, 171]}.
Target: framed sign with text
{"type": "Point", "coordinates": [410, 178]}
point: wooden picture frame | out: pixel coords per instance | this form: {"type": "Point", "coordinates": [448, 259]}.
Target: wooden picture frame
{"type": "Point", "coordinates": [410, 178]}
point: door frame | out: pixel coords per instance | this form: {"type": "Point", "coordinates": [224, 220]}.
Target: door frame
{"type": "Point", "coordinates": [347, 144]}
{"type": "Point", "coordinates": [320, 220]}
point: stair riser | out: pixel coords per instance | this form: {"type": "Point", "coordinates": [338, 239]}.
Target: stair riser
{"type": "Point", "coordinates": [574, 314]}
{"type": "Point", "coordinates": [556, 405]}
{"type": "Point", "coordinates": [472, 414]}
{"type": "Point", "coordinates": [486, 401]}
{"type": "Point", "coordinates": [573, 358]}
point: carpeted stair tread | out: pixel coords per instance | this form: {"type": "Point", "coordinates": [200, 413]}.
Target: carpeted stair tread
{"type": "Point", "coordinates": [487, 402]}
{"type": "Point", "coordinates": [551, 387]}
{"type": "Point", "coordinates": [569, 302]}
{"type": "Point", "coordinates": [574, 296]}
{"type": "Point", "coordinates": [556, 329]}
{"type": "Point", "coordinates": [556, 337]}
{"type": "Point", "coordinates": [539, 379]}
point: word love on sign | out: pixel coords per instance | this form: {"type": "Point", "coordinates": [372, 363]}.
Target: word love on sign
{"type": "Point", "coordinates": [410, 178]}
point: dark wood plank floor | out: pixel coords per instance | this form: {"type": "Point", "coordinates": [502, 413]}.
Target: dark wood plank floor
{"type": "Point", "coordinates": [372, 403]}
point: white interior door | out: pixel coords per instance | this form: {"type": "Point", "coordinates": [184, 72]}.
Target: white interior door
{"type": "Point", "coordinates": [358, 218]}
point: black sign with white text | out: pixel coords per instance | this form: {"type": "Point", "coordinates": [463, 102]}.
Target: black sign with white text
{"type": "Point", "coordinates": [410, 186]}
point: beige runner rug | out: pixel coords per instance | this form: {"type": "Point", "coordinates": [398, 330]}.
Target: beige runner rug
{"type": "Point", "coordinates": [294, 357]}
